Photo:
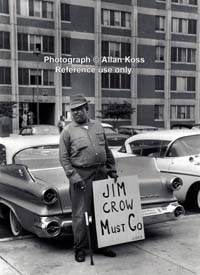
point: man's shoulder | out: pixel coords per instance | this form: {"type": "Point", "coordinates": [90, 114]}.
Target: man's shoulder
{"type": "Point", "coordinates": [96, 124]}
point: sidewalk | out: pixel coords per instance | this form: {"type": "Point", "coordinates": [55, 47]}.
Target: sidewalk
{"type": "Point", "coordinates": [169, 248]}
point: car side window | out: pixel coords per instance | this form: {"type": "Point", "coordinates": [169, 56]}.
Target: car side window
{"type": "Point", "coordinates": [136, 147]}
{"type": "Point", "coordinates": [150, 148]}
{"type": "Point", "coordinates": [2, 155]}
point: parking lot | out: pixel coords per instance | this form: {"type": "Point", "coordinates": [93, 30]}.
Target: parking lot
{"type": "Point", "coordinates": [169, 248]}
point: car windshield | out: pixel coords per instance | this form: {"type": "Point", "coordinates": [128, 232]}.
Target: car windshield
{"type": "Point", "coordinates": [39, 157]}
{"type": "Point", "coordinates": [185, 146]}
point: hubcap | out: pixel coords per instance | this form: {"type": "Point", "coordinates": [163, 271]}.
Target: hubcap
{"type": "Point", "coordinates": [198, 198]}
{"type": "Point", "coordinates": [16, 227]}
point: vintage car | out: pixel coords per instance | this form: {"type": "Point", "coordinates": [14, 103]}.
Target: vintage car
{"type": "Point", "coordinates": [175, 152]}
{"type": "Point", "coordinates": [34, 191]}
{"type": "Point", "coordinates": [131, 130]}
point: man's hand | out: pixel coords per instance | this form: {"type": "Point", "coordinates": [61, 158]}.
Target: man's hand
{"type": "Point", "coordinates": [114, 176]}
{"type": "Point", "coordinates": [80, 185]}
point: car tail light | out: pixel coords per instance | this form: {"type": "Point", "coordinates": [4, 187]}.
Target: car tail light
{"type": "Point", "coordinates": [175, 184]}
{"type": "Point", "coordinates": [53, 228]}
{"type": "Point", "coordinates": [179, 211]}
{"type": "Point", "coordinates": [50, 196]}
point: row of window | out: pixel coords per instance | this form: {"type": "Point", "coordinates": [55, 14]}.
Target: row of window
{"type": "Point", "coordinates": [36, 8]}
{"type": "Point", "coordinates": [183, 55]}
{"type": "Point", "coordinates": [31, 42]}
{"type": "Point", "coordinates": [33, 77]}
{"type": "Point", "coordinates": [176, 112]}
{"type": "Point", "coordinates": [179, 25]}
{"type": "Point", "coordinates": [178, 83]}
{"type": "Point", "coordinates": [182, 2]}
{"type": "Point", "coordinates": [113, 81]}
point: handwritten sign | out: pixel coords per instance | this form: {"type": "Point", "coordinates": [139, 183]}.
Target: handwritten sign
{"type": "Point", "coordinates": [118, 213]}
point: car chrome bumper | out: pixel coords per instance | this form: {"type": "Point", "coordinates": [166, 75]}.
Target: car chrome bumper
{"type": "Point", "coordinates": [162, 213]}
{"type": "Point", "coordinates": [50, 227]}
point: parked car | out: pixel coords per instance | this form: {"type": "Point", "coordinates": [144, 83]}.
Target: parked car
{"type": "Point", "coordinates": [40, 129]}
{"type": "Point", "coordinates": [34, 191]}
{"type": "Point", "coordinates": [114, 138]}
{"type": "Point", "coordinates": [131, 130]}
{"type": "Point", "coordinates": [175, 152]}
{"type": "Point", "coordinates": [181, 126]}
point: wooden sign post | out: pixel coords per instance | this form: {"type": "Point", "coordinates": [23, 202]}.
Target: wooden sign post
{"type": "Point", "coordinates": [118, 213]}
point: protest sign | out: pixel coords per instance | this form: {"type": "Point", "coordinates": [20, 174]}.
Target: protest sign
{"type": "Point", "coordinates": [118, 214]}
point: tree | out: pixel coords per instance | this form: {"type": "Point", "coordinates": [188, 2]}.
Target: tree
{"type": "Point", "coordinates": [115, 111]}
{"type": "Point", "coordinates": [6, 109]}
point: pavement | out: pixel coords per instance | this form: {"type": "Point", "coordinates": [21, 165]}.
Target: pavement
{"type": "Point", "coordinates": [169, 248]}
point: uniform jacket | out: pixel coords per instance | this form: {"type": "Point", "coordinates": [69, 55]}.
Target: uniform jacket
{"type": "Point", "coordinates": [84, 145]}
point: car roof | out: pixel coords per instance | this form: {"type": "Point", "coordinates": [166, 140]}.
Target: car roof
{"type": "Point", "coordinates": [15, 143]}
{"type": "Point", "coordinates": [169, 135]}
{"type": "Point", "coordinates": [137, 127]}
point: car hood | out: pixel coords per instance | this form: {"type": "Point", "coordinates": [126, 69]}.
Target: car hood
{"type": "Point", "coordinates": [55, 177]}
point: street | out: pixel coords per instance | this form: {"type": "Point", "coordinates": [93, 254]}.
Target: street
{"type": "Point", "coordinates": [169, 248]}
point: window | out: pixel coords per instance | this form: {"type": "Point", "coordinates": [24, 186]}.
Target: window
{"type": "Point", "coordinates": [48, 44]}
{"type": "Point", "coordinates": [159, 53]}
{"type": "Point", "coordinates": [66, 45]}
{"type": "Point", "coordinates": [47, 9]}
{"type": "Point", "coordinates": [185, 2]}
{"type": "Point", "coordinates": [35, 43]}
{"type": "Point", "coordinates": [4, 8]}
{"type": "Point", "coordinates": [186, 26]}
{"type": "Point", "coordinates": [48, 77]}
{"type": "Point", "coordinates": [4, 40]}
{"type": "Point", "coordinates": [181, 84]}
{"type": "Point", "coordinates": [35, 77]}
{"type": "Point", "coordinates": [116, 18]}
{"type": "Point", "coordinates": [65, 12]}
{"type": "Point", "coordinates": [5, 75]}
{"type": "Point", "coordinates": [22, 7]}
{"type": "Point", "coordinates": [66, 80]}
{"type": "Point", "coordinates": [160, 23]}
{"type": "Point", "coordinates": [159, 82]}
{"type": "Point", "coordinates": [115, 49]}
{"type": "Point", "coordinates": [116, 81]}
{"type": "Point", "coordinates": [182, 112]}
{"type": "Point", "coordinates": [159, 112]}
{"type": "Point", "coordinates": [23, 76]}
{"type": "Point", "coordinates": [183, 55]}
{"type": "Point", "coordinates": [22, 40]}
{"type": "Point", "coordinates": [35, 8]}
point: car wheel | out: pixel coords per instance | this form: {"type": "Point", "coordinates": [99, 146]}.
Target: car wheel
{"type": "Point", "coordinates": [193, 197]}
{"type": "Point", "coordinates": [15, 226]}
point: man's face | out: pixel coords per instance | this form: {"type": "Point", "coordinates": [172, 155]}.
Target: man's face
{"type": "Point", "coordinates": [80, 114]}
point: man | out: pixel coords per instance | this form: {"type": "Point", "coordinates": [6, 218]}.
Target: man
{"type": "Point", "coordinates": [61, 123]}
{"type": "Point", "coordinates": [85, 157]}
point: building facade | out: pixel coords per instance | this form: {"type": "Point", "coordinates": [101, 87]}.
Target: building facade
{"type": "Point", "coordinates": [149, 53]}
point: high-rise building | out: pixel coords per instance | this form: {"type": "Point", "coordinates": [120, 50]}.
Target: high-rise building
{"type": "Point", "coordinates": [149, 53]}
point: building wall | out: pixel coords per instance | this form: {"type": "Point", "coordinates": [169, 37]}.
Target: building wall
{"type": "Point", "coordinates": [86, 32]}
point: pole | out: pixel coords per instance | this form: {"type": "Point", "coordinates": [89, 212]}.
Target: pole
{"type": "Point", "coordinates": [89, 237]}
{"type": "Point", "coordinates": [37, 104]}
